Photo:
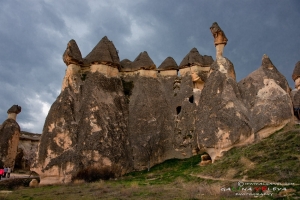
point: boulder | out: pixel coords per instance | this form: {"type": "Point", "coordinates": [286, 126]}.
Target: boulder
{"type": "Point", "coordinates": [222, 120]}
{"type": "Point", "coordinates": [72, 54]}
{"type": "Point", "coordinates": [265, 93]}
{"type": "Point", "coordinates": [105, 53]}
{"type": "Point", "coordinates": [34, 183]}
{"type": "Point", "coordinates": [9, 133]}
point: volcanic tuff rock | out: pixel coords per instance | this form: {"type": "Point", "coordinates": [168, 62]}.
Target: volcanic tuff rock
{"type": "Point", "coordinates": [136, 116]}
{"type": "Point", "coordinates": [27, 148]}
{"type": "Point", "coordinates": [103, 53]}
{"type": "Point", "coordinates": [126, 66]}
{"type": "Point", "coordinates": [10, 133]}
{"type": "Point", "coordinates": [168, 64]}
{"type": "Point", "coordinates": [296, 72]}
{"type": "Point", "coordinates": [265, 93]}
{"type": "Point", "coordinates": [225, 66]}
{"type": "Point", "coordinates": [160, 122]}
{"type": "Point", "coordinates": [194, 58]}
{"type": "Point", "coordinates": [86, 127]}
{"type": "Point", "coordinates": [143, 61]}
{"type": "Point", "coordinates": [222, 120]}
{"type": "Point", "coordinates": [72, 54]}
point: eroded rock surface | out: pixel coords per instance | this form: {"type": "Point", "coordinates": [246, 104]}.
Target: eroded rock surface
{"type": "Point", "coordinates": [222, 120]}
{"type": "Point", "coordinates": [87, 124]}
{"type": "Point", "coordinates": [27, 148]}
{"type": "Point", "coordinates": [265, 93]}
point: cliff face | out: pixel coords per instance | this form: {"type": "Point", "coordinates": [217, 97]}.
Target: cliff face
{"type": "Point", "coordinates": [125, 116]}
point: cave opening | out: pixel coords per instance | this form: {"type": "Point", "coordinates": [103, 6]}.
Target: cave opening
{"type": "Point", "coordinates": [191, 99]}
{"type": "Point", "coordinates": [178, 109]}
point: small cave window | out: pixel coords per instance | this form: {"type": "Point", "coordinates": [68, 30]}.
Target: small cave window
{"type": "Point", "coordinates": [83, 77]}
{"type": "Point", "coordinates": [178, 109]}
{"type": "Point", "coordinates": [191, 99]}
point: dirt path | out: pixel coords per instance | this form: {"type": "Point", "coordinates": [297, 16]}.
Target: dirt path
{"type": "Point", "coordinates": [14, 175]}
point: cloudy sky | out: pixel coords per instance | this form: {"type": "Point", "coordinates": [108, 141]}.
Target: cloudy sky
{"type": "Point", "coordinates": [34, 35]}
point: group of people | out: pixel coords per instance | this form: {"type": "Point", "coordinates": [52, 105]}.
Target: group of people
{"type": "Point", "coordinates": [5, 172]}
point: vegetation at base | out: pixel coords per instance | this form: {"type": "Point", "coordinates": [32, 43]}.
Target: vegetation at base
{"type": "Point", "coordinates": [276, 158]}
{"type": "Point", "coordinates": [272, 160]}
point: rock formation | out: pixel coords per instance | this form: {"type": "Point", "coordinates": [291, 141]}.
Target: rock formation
{"type": "Point", "coordinates": [266, 95]}
{"type": "Point", "coordinates": [103, 53]}
{"type": "Point", "coordinates": [295, 94]}
{"type": "Point", "coordinates": [168, 67]}
{"type": "Point", "coordinates": [222, 120]}
{"type": "Point", "coordinates": [27, 148]}
{"type": "Point", "coordinates": [10, 133]}
{"type": "Point", "coordinates": [125, 116]}
{"type": "Point", "coordinates": [220, 39]}
{"type": "Point", "coordinates": [197, 66]}
{"type": "Point", "coordinates": [72, 54]}
{"type": "Point", "coordinates": [87, 125]}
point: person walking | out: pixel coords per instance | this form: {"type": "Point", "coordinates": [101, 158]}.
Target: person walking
{"type": "Point", "coordinates": [8, 172]}
{"type": "Point", "coordinates": [5, 172]}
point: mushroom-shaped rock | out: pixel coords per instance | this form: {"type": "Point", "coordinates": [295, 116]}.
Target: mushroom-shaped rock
{"type": "Point", "coordinates": [195, 58]}
{"type": "Point", "coordinates": [143, 61]}
{"type": "Point", "coordinates": [265, 93]}
{"type": "Point", "coordinates": [14, 109]}
{"type": "Point", "coordinates": [168, 64]}
{"type": "Point", "coordinates": [9, 133]}
{"type": "Point", "coordinates": [126, 66]}
{"type": "Point", "coordinates": [104, 52]}
{"type": "Point", "coordinates": [72, 54]}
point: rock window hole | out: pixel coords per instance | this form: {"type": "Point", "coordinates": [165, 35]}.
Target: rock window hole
{"type": "Point", "coordinates": [178, 109]}
{"type": "Point", "coordinates": [191, 99]}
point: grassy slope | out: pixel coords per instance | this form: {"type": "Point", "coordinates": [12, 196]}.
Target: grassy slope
{"type": "Point", "coordinates": [274, 159]}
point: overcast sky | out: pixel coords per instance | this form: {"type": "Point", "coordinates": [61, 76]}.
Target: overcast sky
{"type": "Point", "coordinates": [34, 35]}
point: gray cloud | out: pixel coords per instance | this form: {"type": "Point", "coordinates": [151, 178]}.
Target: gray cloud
{"type": "Point", "coordinates": [34, 35]}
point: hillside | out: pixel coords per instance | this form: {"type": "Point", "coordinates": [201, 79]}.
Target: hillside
{"type": "Point", "coordinates": [272, 160]}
